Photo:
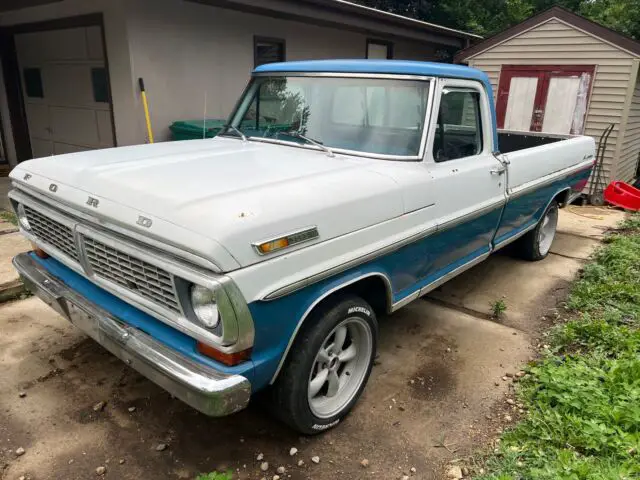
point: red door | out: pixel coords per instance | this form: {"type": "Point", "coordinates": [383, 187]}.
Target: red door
{"type": "Point", "coordinates": [544, 98]}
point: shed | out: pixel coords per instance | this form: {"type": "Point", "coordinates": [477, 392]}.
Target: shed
{"type": "Point", "coordinates": [558, 72]}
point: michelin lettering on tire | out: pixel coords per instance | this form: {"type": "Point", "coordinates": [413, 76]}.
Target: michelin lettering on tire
{"type": "Point", "coordinates": [326, 426]}
{"type": "Point", "coordinates": [366, 311]}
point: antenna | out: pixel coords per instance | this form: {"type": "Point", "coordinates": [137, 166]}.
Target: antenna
{"type": "Point", "coordinates": [204, 117]}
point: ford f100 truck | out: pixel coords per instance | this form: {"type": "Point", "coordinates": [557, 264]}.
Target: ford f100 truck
{"type": "Point", "coordinates": [261, 259]}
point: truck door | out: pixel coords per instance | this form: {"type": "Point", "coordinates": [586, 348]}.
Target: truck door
{"type": "Point", "coordinates": [469, 182]}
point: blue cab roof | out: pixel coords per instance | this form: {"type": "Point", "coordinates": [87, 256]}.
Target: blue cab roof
{"type": "Point", "coordinates": [394, 67]}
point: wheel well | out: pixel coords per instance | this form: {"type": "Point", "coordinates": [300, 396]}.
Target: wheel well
{"type": "Point", "coordinates": [374, 289]}
{"type": "Point", "coordinates": [563, 197]}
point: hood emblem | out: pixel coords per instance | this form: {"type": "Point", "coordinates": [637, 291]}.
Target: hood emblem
{"type": "Point", "coordinates": [53, 188]}
{"type": "Point", "coordinates": [27, 177]}
{"type": "Point", "coordinates": [93, 202]}
{"type": "Point", "coordinates": [144, 221]}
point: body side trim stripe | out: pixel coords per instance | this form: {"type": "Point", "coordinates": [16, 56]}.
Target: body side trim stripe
{"type": "Point", "coordinates": [305, 282]}
{"type": "Point", "coordinates": [546, 180]}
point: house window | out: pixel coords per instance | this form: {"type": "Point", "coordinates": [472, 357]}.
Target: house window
{"type": "Point", "coordinates": [378, 49]}
{"type": "Point", "coordinates": [100, 83]}
{"type": "Point", "coordinates": [268, 50]}
{"type": "Point", "coordinates": [33, 83]}
{"type": "Point", "coordinates": [459, 128]}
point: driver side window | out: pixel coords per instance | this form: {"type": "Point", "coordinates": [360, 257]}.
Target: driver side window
{"type": "Point", "coordinates": [459, 126]}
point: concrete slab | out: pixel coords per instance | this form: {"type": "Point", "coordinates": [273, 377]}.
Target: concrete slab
{"type": "Point", "coordinates": [10, 245]}
{"type": "Point", "coordinates": [527, 288]}
{"type": "Point", "coordinates": [572, 246]}
{"type": "Point", "coordinates": [589, 221]}
{"type": "Point", "coordinates": [420, 394]}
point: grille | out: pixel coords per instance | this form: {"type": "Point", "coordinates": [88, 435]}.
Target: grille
{"type": "Point", "coordinates": [131, 273]}
{"type": "Point", "coordinates": [52, 232]}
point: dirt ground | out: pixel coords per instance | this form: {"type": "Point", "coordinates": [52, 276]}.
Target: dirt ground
{"type": "Point", "coordinates": [436, 395]}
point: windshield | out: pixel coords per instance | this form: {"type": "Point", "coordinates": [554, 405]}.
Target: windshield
{"type": "Point", "coordinates": [364, 115]}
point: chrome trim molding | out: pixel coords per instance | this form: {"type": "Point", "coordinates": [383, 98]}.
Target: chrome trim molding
{"type": "Point", "coordinates": [467, 217]}
{"type": "Point", "coordinates": [204, 388]}
{"type": "Point", "coordinates": [454, 273]}
{"type": "Point", "coordinates": [547, 179]}
{"type": "Point", "coordinates": [387, 76]}
{"type": "Point", "coordinates": [515, 237]}
{"type": "Point", "coordinates": [238, 328]}
{"type": "Point", "coordinates": [405, 301]}
{"type": "Point", "coordinates": [318, 300]}
{"type": "Point", "coordinates": [305, 282]}
{"type": "Point", "coordinates": [306, 234]}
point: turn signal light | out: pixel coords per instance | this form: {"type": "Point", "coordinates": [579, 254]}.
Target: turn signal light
{"type": "Point", "coordinates": [273, 245]}
{"type": "Point", "coordinates": [229, 359]}
{"type": "Point", "coordinates": [38, 251]}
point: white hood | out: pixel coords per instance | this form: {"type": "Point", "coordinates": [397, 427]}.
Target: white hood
{"type": "Point", "coordinates": [232, 192]}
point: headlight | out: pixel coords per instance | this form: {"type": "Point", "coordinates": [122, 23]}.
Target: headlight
{"type": "Point", "coordinates": [22, 217]}
{"type": "Point", "coordinates": [203, 302]}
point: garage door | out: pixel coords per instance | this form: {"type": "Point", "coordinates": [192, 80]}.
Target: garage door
{"type": "Point", "coordinates": [66, 90]}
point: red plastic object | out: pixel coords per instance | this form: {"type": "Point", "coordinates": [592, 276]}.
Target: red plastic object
{"type": "Point", "coordinates": [623, 195]}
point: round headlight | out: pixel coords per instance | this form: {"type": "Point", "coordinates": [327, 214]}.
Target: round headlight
{"type": "Point", "coordinates": [22, 217]}
{"type": "Point", "coordinates": [203, 302]}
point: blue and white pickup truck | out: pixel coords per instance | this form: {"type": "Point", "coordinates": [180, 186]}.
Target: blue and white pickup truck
{"type": "Point", "coordinates": [260, 260]}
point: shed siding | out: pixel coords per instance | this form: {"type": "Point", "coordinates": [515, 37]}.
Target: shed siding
{"type": "Point", "coordinates": [631, 144]}
{"type": "Point", "coordinates": [556, 43]}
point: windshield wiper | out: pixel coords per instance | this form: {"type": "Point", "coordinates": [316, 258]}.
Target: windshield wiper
{"type": "Point", "coordinates": [235, 129]}
{"type": "Point", "coordinates": [297, 134]}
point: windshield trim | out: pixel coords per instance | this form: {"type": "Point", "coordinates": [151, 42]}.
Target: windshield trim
{"type": "Point", "coordinates": [358, 153]}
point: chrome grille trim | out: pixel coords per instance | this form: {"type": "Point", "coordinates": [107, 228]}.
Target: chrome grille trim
{"type": "Point", "coordinates": [52, 232]}
{"type": "Point", "coordinates": [131, 273]}
{"type": "Point", "coordinates": [238, 328]}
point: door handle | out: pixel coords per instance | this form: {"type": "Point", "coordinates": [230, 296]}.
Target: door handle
{"type": "Point", "coordinates": [498, 171]}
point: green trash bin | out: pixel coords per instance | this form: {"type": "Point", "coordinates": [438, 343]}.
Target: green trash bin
{"type": "Point", "coordinates": [193, 129]}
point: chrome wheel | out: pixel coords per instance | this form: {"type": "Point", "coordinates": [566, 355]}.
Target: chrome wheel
{"type": "Point", "coordinates": [547, 230]}
{"type": "Point", "coordinates": [340, 367]}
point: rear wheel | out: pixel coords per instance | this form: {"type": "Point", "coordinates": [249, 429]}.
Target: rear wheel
{"type": "Point", "coordinates": [328, 366]}
{"type": "Point", "coordinates": [535, 245]}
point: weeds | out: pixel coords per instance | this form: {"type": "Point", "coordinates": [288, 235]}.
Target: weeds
{"type": "Point", "coordinates": [9, 217]}
{"type": "Point", "coordinates": [498, 307]}
{"type": "Point", "coordinates": [583, 399]}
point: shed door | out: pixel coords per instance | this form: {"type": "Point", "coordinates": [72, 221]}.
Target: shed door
{"type": "Point", "coordinates": [66, 90]}
{"type": "Point", "coordinates": [550, 99]}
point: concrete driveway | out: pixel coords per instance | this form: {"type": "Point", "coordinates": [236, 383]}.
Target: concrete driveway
{"type": "Point", "coordinates": [437, 393]}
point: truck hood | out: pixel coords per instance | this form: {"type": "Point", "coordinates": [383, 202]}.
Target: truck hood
{"type": "Point", "coordinates": [231, 192]}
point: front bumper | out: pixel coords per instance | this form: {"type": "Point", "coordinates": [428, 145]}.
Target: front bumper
{"type": "Point", "coordinates": [211, 392]}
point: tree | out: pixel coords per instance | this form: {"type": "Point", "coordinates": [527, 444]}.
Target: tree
{"type": "Point", "coordinates": [487, 17]}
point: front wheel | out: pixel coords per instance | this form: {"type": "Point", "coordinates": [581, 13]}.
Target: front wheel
{"type": "Point", "coordinates": [328, 366]}
{"type": "Point", "coordinates": [535, 245]}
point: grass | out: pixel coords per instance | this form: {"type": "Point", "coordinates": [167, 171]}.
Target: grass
{"type": "Point", "coordinates": [583, 397]}
{"type": "Point", "coordinates": [9, 217]}
{"type": "Point", "coordinates": [498, 307]}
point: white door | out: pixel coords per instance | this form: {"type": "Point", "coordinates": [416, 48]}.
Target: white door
{"type": "Point", "coordinates": [522, 96]}
{"type": "Point", "coordinates": [562, 100]}
{"type": "Point", "coordinates": [66, 90]}
{"type": "Point", "coordinates": [470, 183]}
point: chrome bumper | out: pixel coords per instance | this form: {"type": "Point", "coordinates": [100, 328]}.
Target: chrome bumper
{"type": "Point", "coordinates": [211, 392]}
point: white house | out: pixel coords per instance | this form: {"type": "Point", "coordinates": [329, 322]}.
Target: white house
{"type": "Point", "coordinates": [70, 68]}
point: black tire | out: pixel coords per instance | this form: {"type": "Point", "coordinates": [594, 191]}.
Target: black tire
{"type": "Point", "coordinates": [289, 395]}
{"type": "Point", "coordinates": [528, 246]}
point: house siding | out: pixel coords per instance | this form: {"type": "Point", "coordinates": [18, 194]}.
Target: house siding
{"type": "Point", "coordinates": [631, 144]}
{"type": "Point", "coordinates": [556, 43]}
{"type": "Point", "coordinates": [187, 52]}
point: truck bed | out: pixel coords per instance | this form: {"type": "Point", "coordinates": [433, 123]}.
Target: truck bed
{"type": "Point", "coordinates": [511, 141]}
